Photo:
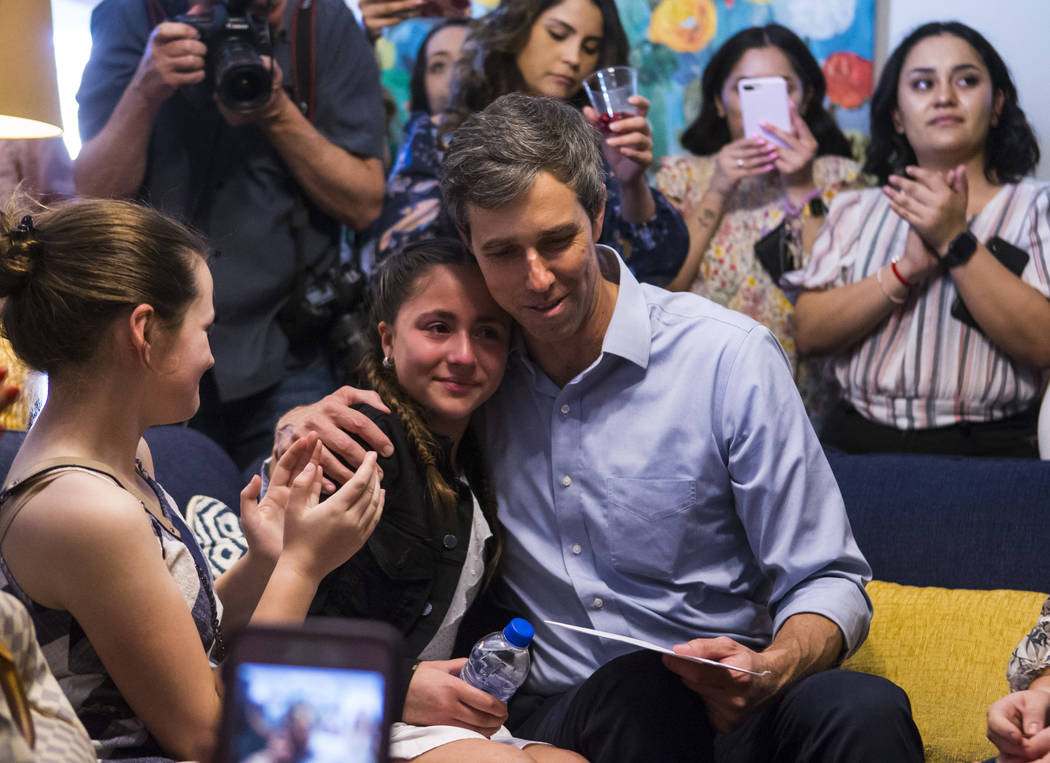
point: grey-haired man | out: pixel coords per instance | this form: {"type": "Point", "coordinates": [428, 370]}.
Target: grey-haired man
{"type": "Point", "coordinates": [658, 478]}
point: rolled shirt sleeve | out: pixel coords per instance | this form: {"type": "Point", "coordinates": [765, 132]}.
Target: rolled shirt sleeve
{"type": "Point", "coordinates": [786, 495]}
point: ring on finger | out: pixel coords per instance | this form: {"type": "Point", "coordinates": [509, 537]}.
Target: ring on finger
{"type": "Point", "coordinates": [739, 162]}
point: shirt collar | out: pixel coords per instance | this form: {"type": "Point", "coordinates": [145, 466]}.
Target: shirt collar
{"type": "Point", "coordinates": [629, 334]}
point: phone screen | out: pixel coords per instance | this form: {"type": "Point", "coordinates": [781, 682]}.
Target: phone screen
{"type": "Point", "coordinates": [300, 712]}
{"type": "Point", "coordinates": [764, 99]}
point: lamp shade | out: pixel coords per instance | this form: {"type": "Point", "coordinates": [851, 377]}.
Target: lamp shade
{"type": "Point", "coordinates": [28, 79]}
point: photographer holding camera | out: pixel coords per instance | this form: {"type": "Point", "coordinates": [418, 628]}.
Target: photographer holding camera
{"type": "Point", "coordinates": [199, 111]}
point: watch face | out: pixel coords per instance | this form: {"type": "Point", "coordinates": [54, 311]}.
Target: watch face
{"type": "Point", "coordinates": [961, 249]}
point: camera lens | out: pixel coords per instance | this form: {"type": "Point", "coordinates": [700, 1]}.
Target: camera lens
{"type": "Point", "coordinates": [241, 80]}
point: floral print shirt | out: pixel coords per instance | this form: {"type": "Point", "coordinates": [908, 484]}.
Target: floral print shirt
{"type": "Point", "coordinates": [730, 273]}
{"type": "Point", "coordinates": [1032, 655]}
{"type": "Point", "coordinates": [412, 210]}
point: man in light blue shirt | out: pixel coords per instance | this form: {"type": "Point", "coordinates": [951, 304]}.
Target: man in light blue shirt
{"type": "Point", "coordinates": [658, 478]}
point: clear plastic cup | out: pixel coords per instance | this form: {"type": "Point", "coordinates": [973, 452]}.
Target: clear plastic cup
{"type": "Point", "coordinates": [609, 90]}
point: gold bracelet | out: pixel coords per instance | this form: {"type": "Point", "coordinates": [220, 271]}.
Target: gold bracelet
{"type": "Point", "coordinates": [886, 294]}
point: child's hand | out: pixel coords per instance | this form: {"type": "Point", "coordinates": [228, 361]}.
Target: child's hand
{"type": "Point", "coordinates": [321, 535]}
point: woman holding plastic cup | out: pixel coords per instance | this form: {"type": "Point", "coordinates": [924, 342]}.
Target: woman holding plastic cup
{"type": "Point", "coordinates": [541, 47]}
{"type": "Point", "coordinates": [754, 206]}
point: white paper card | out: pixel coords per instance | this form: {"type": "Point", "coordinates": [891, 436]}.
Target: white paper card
{"type": "Point", "coordinates": [653, 647]}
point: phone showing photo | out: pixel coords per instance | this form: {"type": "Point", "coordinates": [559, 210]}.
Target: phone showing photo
{"type": "Point", "coordinates": [764, 99]}
{"type": "Point", "coordinates": [320, 691]}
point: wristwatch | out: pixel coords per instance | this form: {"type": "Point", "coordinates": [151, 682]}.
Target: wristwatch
{"type": "Point", "coordinates": [960, 250]}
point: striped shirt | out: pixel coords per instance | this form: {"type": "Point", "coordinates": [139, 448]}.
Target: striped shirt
{"type": "Point", "coordinates": [922, 368]}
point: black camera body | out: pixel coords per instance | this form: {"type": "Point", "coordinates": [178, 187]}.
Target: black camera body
{"type": "Point", "coordinates": [331, 306]}
{"type": "Point", "coordinates": [236, 40]}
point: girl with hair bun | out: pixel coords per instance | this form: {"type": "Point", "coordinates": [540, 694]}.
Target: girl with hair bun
{"type": "Point", "coordinates": [438, 351]}
{"type": "Point", "coordinates": [930, 294]}
{"type": "Point", "coordinates": [113, 301]}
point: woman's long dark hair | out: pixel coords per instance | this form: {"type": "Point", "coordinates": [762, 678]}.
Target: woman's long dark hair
{"type": "Point", "coordinates": [395, 283]}
{"type": "Point", "coordinates": [490, 68]}
{"type": "Point", "coordinates": [417, 85]}
{"type": "Point", "coordinates": [709, 132]}
{"type": "Point", "coordinates": [1010, 150]}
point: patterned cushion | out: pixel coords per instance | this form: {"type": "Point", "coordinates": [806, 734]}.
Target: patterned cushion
{"type": "Point", "coordinates": [948, 649]}
{"type": "Point", "coordinates": [218, 532]}
{"type": "Point", "coordinates": [60, 737]}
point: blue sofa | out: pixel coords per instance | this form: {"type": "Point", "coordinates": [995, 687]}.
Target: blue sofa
{"type": "Point", "coordinates": [938, 532]}
{"type": "Point", "coordinates": [959, 551]}
{"type": "Point", "coordinates": [187, 463]}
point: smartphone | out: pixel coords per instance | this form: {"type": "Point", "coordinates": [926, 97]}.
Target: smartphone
{"type": "Point", "coordinates": [449, 9]}
{"type": "Point", "coordinates": [764, 99]}
{"type": "Point", "coordinates": [321, 691]}
{"type": "Point", "coordinates": [1013, 259]}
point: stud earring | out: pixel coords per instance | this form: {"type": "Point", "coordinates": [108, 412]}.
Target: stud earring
{"type": "Point", "coordinates": [388, 362]}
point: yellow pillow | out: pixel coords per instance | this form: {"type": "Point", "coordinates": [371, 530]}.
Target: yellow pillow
{"type": "Point", "coordinates": [948, 649]}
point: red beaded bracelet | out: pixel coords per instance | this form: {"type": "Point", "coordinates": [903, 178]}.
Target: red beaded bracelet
{"type": "Point", "coordinates": [902, 279]}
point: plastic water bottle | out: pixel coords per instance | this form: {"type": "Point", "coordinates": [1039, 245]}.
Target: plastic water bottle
{"type": "Point", "coordinates": [499, 662]}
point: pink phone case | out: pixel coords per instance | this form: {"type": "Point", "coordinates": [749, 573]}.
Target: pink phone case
{"type": "Point", "coordinates": [764, 99]}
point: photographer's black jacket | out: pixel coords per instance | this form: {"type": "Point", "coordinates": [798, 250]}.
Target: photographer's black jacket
{"type": "Point", "coordinates": [407, 571]}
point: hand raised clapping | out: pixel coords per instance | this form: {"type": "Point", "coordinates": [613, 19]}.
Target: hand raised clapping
{"type": "Point", "coordinates": [932, 202]}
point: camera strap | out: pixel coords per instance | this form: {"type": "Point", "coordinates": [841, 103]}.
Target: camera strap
{"type": "Point", "coordinates": [304, 63]}
{"type": "Point", "coordinates": [156, 11]}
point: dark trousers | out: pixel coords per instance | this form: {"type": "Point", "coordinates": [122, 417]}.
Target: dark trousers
{"type": "Point", "coordinates": [1013, 437]}
{"type": "Point", "coordinates": [635, 709]}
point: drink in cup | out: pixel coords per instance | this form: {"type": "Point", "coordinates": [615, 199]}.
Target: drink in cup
{"type": "Point", "coordinates": [609, 90]}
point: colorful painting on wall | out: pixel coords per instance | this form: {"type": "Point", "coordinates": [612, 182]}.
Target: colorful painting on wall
{"type": "Point", "coordinates": [672, 40]}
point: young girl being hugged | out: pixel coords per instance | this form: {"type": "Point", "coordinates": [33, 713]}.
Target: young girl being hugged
{"type": "Point", "coordinates": [438, 352]}
{"type": "Point", "coordinates": [113, 301]}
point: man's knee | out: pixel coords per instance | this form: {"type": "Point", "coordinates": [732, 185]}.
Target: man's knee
{"type": "Point", "coordinates": [850, 695]}
{"type": "Point", "coordinates": [843, 715]}
{"type": "Point", "coordinates": [634, 708]}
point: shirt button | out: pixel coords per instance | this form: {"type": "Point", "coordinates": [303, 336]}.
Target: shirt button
{"type": "Point", "coordinates": [566, 480]}
{"type": "Point", "coordinates": [565, 409]}
{"type": "Point", "coordinates": [449, 541]}
{"type": "Point", "coordinates": [598, 603]}
{"type": "Point", "coordinates": [577, 548]}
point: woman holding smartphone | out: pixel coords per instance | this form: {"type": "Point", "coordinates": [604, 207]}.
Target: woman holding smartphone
{"type": "Point", "coordinates": [113, 301]}
{"type": "Point", "coordinates": [438, 351]}
{"type": "Point", "coordinates": [548, 48]}
{"type": "Point", "coordinates": [929, 294]}
{"type": "Point", "coordinates": [754, 207]}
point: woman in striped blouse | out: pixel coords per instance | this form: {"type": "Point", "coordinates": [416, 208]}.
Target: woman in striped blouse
{"type": "Point", "coordinates": [930, 293]}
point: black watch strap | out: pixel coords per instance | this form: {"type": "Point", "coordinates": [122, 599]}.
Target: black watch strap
{"type": "Point", "coordinates": [960, 250]}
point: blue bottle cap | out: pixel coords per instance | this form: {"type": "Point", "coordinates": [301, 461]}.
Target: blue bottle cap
{"type": "Point", "coordinates": [519, 632]}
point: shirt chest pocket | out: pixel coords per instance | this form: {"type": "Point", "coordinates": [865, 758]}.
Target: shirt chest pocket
{"type": "Point", "coordinates": [647, 522]}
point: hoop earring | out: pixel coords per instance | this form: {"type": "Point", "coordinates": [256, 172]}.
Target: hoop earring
{"type": "Point", "coordinates": [388, 362]}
